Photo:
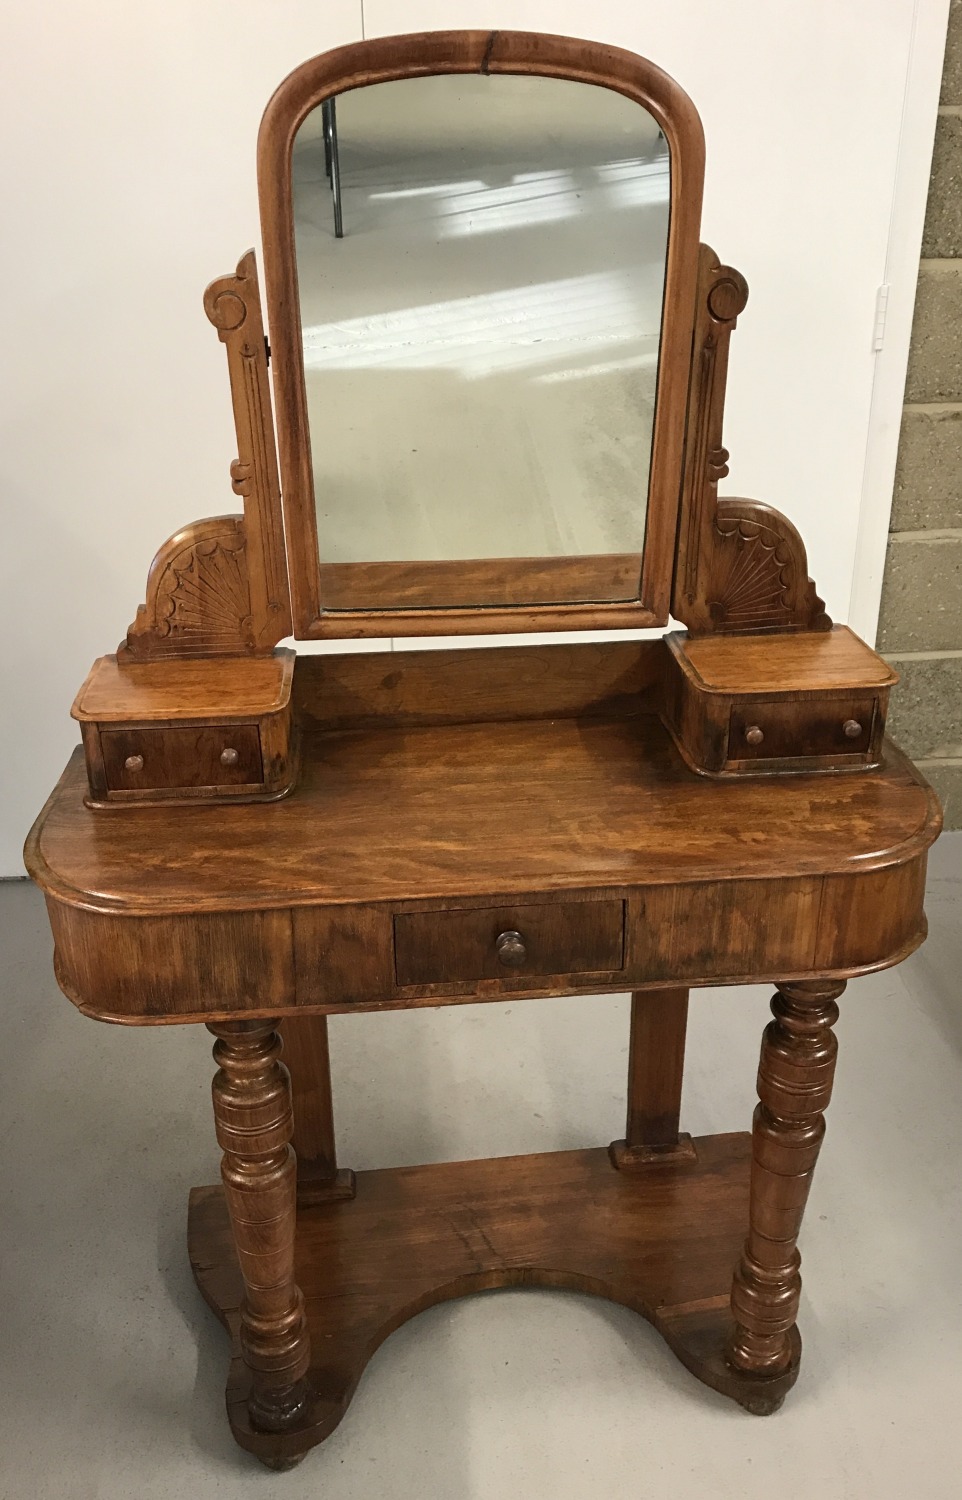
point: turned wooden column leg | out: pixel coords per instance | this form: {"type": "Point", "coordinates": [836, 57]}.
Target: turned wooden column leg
{"type": "Point", "coordinates": [252, 1112]}
{"type": "Point", "coordinates": [308, 1061]}
{"type": "Point", "coordinates": [794, 1087]}
{"type": "Point", "coordinates": [656, 1066]}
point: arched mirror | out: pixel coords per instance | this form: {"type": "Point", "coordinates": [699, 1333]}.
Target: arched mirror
{"type": "Point", "coordinates": [480, 260]}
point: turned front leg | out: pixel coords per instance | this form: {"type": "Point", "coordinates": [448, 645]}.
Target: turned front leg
{"type": "Point", "coordinates": [794, 1087]}
{"type": "Point", "coordinates": [254, 1121]}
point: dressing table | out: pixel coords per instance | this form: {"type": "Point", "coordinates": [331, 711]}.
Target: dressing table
{"type": "Point", "coordinates": [498, 388]}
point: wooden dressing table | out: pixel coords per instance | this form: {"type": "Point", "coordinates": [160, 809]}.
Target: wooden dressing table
{"type": "Point", "coordinates": [255, 842]}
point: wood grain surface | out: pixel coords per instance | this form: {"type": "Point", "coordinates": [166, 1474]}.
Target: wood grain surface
{"type": "Point", "coordinates": [476, 685]}
{"type": "Point", "coordinates": [254, 1125]}
{"type": "Point", "coordinates": [404, 815]}
{"type": "Point", "coordinates": [468, 583]}
{"type": "Point", "coordinates": [809, 661]}
{"type": "Point", "coordinates": [809, 701]}
{"type": "Point", "coordinates": [662, 1240]}
{"type": "Point", "coordinates": [656, 1067]}
{"type": "Point", "coordinates": [564, 787]}
{"type": "Point", "coordinates": [182, 757]}
{"type": "Point", "coordinates": [124, 689]}
{"type": "Point", "coordinates": [795, 1077]}
{"type": "Point", "coordinates": [570, 937]}
{"type": "Point", "coordinates": [308, 1061]}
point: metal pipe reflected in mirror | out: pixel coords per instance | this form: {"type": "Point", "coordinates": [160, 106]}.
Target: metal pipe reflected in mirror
{"type": "Point", "coordinates": [332, 162]}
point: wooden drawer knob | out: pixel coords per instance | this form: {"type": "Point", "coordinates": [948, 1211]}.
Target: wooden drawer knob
{"type": "Point", "coordinates": [512, 951]}
{"type": "Point", "coordinates": [134, 763]}
{"type": "Point", "coordinates": [851, 729]}
{"type": "Point", "coordinates": [754, 735]}
{"type": "Point", "coordinates": [229, 757]}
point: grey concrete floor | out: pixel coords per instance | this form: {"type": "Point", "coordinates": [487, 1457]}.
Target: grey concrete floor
{"type": "Point", "coordinates": [113, 1369]}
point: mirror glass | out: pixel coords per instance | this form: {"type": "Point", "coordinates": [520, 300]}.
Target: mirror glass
{"type": "Point", "coordinates": [481, 264]}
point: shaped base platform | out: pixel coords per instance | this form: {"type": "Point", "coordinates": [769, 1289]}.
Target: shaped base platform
{"type": "Point", "coordinates": [662, 1239]}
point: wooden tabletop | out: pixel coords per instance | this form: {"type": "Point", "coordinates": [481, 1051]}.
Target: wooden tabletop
{"type": "Point", "coordinates": [124, 690]}
{"type": "Point", "coordinates": [397, 814]}
{"type": "Point", "coordinates": [816, 661]}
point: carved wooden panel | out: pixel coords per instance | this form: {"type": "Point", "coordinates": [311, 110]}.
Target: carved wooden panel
{"type": "Point", "coordinates": [220, 585]}
{"type": "Point", "coordinates": [198, 594]}
{"type": "Point", "coordinates": [740, 565]}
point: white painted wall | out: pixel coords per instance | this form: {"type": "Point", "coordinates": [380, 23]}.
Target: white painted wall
{"type": "Point", "coordinates": [901, 270]}
{"type": "Point", "coordinates": [128, 169]}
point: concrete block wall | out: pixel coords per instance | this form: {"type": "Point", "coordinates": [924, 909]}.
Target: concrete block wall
{"type": "Point", "coordinates": [920, 627]}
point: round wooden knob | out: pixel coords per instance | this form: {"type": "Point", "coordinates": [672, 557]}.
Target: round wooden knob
{"type": "Point", "coordinates": [754, 735]}
{"type": "Point", "coordinates": [511, 949]}
{"type": "Point", "coordinates": [229, 757]}
{"type": "Point", "coordinates": [851, 729]}
{"type": "Point", "coordinates": [134, 763]}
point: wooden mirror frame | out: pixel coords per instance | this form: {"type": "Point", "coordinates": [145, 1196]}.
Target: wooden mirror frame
{"type": "Point", "coordinates": [224, 586]}
{"type": "Point", "coordinates": [387, 59]}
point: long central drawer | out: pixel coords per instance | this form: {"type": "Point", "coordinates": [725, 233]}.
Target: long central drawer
{"type": "Point", "coordinates": [494, 942]}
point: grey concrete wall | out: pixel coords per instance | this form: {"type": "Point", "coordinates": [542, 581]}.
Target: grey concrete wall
{"type": "Point", "coordinates": [920, 628]}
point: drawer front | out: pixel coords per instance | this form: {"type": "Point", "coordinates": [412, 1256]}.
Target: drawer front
{"type": "Point", "coordinates": [779, 730]}
{"type": "Point", "coordinates": [205, 755]}
{"type": "Point", "coordinates": [570, 937]}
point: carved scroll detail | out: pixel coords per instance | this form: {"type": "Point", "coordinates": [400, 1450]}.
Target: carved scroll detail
{"type": "Point", "coordinates": [741, 565]}
{"type": "Point", "coordinates": [220, 585]}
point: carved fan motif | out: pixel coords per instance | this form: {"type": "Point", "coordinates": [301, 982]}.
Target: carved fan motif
{"type": "Point", "coordinates": [208, 599]}
{"type": "Point", "coordinates": [753, 580]}
{"type": "Point", "coordinates": [198, 594]}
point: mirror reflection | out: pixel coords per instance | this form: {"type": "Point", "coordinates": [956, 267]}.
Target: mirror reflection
{"type": "Point", "coordinates": [481, 263]}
